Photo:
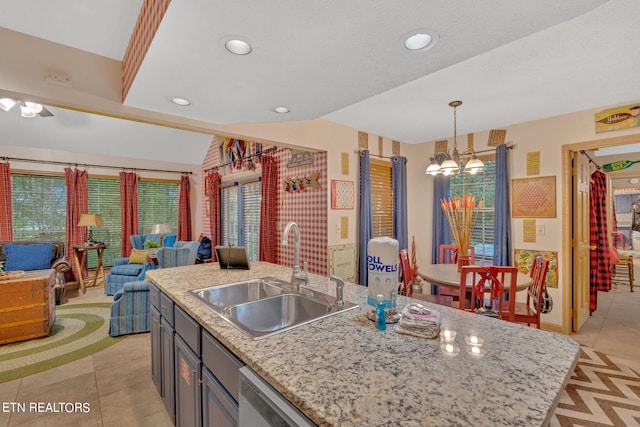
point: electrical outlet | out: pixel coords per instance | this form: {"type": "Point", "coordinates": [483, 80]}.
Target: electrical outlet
{"type": "Point", "coordinates": [540, 230]}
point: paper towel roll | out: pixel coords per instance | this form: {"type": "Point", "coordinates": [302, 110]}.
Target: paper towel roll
{"type": "Point", "coordinates": [382, 266]}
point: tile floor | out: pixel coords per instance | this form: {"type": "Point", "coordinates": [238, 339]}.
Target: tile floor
{"type": "Point", "coordinates": [116, 382]}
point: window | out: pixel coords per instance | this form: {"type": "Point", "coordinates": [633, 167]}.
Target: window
{"type": "Point", "coordinates": [39, 207]}
{"type": "Point", "coordinates": [157, 204]}
{"type": "Point", "coordinates": [104, 199]}
{"type": "Point", "coordinates": [240, 216]}
{"type": "Point", "coordinates": [381, 198]}
{"type": "Point", "coordinates": [482, 185]}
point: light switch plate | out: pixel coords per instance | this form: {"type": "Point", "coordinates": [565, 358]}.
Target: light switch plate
{"type": "Point", "coordinates": [540, 230]}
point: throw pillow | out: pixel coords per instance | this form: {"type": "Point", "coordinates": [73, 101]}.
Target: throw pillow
{"type": "Point", "coordinates": [138, 256]}
{"type": "Point", "coordinates": [28, 257]}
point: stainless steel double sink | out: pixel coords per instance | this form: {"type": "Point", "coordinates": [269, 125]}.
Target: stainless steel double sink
{"type": "Point", "coordinates": [267, 306]}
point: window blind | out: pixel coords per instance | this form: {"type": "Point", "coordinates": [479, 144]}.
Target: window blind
{"type": "Point", "coordinates": [381, 198]}
{"type": "Point", "coordinates": [157, 204]}
{"type": "Point", "coordinates": [39, 207]}
{"type": "Point", "coordinates": [480, 185]}
{"type": "Point", "coordinates": [104, 199]}
{"type": "Point", "coordinates": [229, 218]}
{"type": "Point", "coordinates": [251, 199]}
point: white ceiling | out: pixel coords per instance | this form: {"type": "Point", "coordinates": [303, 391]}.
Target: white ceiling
{"type": "Point", "coordinates": [508, 61]}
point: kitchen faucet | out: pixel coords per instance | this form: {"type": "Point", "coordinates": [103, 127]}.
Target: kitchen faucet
{"type": "Point", "coordinates": [339, 289]}
{"type": "Point", "coordinates": [297, 278]}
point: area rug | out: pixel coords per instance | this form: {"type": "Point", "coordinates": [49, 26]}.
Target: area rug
{"type": "Point", "coordinates": [600, 392]}
{"type": "Point", "coordinates": [79, 331]}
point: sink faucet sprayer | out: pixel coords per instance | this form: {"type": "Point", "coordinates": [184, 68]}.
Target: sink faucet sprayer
{"type": "Point", "coordinates": [297, 278]}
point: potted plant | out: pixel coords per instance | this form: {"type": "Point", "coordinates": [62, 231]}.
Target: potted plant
{"type": "Point", "coordinates": [152, 245]}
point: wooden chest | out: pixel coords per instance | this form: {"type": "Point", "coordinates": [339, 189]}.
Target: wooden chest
{"type": "Point", "coordinates": [27, 306]}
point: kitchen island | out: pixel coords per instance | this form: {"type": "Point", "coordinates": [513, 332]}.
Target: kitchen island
{"type": "Point", "coordinates": [342, 371]}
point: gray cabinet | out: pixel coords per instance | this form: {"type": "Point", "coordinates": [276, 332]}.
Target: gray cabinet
{"type": "Point", "coordinates": [162, 357]}
{"type": "Point", "coordinates": [197, 377]}
{"type": "Point", "coordinates": [187, 385]}
{"type": "Point", "coordinates": [218, 407]}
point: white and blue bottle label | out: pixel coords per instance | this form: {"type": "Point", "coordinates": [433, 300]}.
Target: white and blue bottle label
{"type": "Point", "coordinates": [382, 267]}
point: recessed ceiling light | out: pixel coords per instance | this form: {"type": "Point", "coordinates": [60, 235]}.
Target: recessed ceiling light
{"type": "Point", "coordinates": [180, 101]}
{"type": "Point", "coordinates": [420, 39]}
{"type": "Point", "coordinates": [281, 110]}
{"type": "Point", "coordinates": [238, 47]}
{"type": "Point", "coordinates": [633, 181]}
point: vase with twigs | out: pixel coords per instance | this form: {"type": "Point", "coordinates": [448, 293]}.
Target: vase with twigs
{"type": "Point", "coordinates": [462, 213]}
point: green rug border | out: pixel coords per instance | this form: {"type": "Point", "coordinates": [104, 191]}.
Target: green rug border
{"type": "Point", "coordinates": [91, 326]}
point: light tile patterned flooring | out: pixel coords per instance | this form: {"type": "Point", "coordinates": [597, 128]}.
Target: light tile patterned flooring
{"type": "Point", "coordinates": [116, 382]}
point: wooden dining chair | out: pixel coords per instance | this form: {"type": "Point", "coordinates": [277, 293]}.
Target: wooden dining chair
{"type": "Point", "coordinates": [488, 290]}
{"type": "Point", "coordinates": [449, 255]}
{"type": "Point", "coordinates": [529, 312]}
{"type": "Point", "coordinates": [407, 278]}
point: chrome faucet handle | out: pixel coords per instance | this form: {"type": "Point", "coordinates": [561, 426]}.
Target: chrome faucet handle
{"type": "Point", "coordinates": [339, 290]}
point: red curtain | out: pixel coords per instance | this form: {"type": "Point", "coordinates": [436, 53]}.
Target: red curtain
{"type": "Point", "coordinates": [268, 209]}
{"type": "Point", "coordinates": [129, 209]}
{"type": "Point", "coordinates": [6, 224]}
{"type": "Point", "coordinates": [184, 210]}
{"type": "Point", "coordinates": [600, 264]}
{"type": "Point", "coordinates": [77, 204]}
{"type": "Point", "coordinates": [212, 190]}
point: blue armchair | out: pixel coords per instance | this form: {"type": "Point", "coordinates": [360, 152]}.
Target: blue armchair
{"type": "Point", "coordinates": [130, 308]}
{"type": "Point", "coordinates": [123, 272]}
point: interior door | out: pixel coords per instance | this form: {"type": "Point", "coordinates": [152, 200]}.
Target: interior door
{"type": "Point", "coordinates": [580, 283]}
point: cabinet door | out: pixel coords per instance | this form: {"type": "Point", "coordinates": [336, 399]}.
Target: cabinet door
{"type": "Point", "coordinates": [187, 385]}
{"type": "Point", "coordinates": [156, 350]}
{"type": "Point", "coordinates": [218, 408]}
{"type": "Point", "coordinates": [167, 367]}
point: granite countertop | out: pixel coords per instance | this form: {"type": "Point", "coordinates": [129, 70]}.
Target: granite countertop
{"type": "Point", "coordinates": [342, 371]}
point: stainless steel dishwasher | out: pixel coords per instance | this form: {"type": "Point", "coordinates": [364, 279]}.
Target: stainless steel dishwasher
{"type": "Point", "coordinates": [261, 405]}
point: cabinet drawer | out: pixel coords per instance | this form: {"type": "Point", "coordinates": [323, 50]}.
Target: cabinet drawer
{"type": "Point", "coordinates": [166, 308]}
{"type": "Point", "coordinates": [154, 296]}
{"type": "Point", "coordinates": [188, 329]}
{"type": "Point", "coordinates": [222, 364]}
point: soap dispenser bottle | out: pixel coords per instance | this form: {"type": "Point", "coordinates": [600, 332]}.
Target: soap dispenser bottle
{"type": "Point", "coordinates": [381, 318]}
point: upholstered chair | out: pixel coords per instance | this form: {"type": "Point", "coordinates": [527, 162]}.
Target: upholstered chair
{"type": "Point", "coordinates": [123, 270]}
{"type": "Point", "coordinates": [130, 308]}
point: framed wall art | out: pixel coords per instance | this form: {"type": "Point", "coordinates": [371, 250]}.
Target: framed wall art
{"type": "Point", "coordinates": [342, 194]}
{"type": "Point", "coordinates": [523, 260]}
{"type": "Point", "coordinates": [533, 197]}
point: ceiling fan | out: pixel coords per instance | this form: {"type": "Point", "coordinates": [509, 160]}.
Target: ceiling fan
{"type": "Point", "coordinates": [27, 109]}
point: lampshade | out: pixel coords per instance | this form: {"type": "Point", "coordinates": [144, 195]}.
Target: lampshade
{"type": "Point", "coordinates": [160, 229]}
{"type": "Point", "coordinates": [90, 220]}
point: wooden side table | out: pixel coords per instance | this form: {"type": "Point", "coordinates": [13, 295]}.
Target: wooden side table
{"type": "Point", "coordinates": [80, 259]}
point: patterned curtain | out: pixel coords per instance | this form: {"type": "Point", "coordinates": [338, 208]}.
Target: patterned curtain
{"type": "Point", "coordinates": [184, 210]}
{"type": "Point", "coordinates": [212, 186]}
{"type": "Point", "coordinates": [6, 212]}
{"type": "Point", "coordinates": [77, 204]}
{"type": "Point", "coordinates": [366, 220]}
{"type": "Point", "coordinates": [268, 209]}
{"type": "Point", "coordinates": [129, 209]}
{"type": "Point", "coordinates": [399, 189]}
{"type": "Point", "coordinates": [600, 264]}
{"type": "Point", "coordinates": [502, 225]}
{"type": "Point", "coordinates": [440, 226]}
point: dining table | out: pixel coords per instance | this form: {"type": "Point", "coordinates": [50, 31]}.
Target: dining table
{"type": "Point", "coordinates": [448, 275]}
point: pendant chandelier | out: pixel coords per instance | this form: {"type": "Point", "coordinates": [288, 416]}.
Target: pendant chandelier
{"type": "Point", "coordinates": [454, 161]}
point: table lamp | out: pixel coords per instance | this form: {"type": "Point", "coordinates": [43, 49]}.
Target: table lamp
{"type": "Point", "coordinates": [90, 220]}
{"type": "Point", "coordinates": [161, 229]}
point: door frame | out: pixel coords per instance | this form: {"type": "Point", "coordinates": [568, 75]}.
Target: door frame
{"type": "Point", "coordinates": [567, 217]}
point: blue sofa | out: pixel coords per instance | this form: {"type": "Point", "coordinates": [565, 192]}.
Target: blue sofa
{"type": "Point", "coordinates": [122, 272]}
{"type": "Point", "coordinates": [37, 255]}
{"type": "Point", "coordinates": [130, 308]}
